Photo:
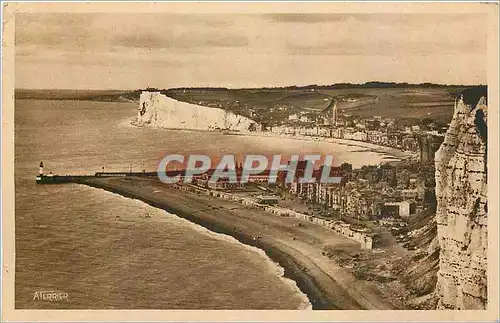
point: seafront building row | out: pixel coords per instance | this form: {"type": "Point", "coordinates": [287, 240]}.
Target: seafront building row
{"type": "Point", "coordinates": [411, 139]}
{"type": "Point", "coordinates": [364, 237]}
{"type": "Point", "coordinates": [385, 193]}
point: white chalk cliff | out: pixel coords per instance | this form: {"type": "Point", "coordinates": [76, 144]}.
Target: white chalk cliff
{"type": "Point", "coordinates": [461, 191]}
{"type": "Point", "coordinates": [158, 110]}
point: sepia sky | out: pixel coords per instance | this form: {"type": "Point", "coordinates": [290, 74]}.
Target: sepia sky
{"type": "Point", "coordinates": [131, 51]}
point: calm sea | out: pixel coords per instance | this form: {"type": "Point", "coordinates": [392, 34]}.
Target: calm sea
{"type": "Point", "coordinates": [109, 252]}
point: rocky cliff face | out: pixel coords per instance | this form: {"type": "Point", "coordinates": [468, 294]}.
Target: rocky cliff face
{"type": "Point", "coordinates": [158, 110]}
{"type": "Point", "coordinates": [461, 191]}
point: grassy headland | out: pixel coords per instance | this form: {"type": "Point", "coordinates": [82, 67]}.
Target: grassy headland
{"type": "Point", "coordinates": [267, 105]}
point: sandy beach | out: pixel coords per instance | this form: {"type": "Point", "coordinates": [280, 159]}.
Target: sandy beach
{"type": "Point", "coordinates": [391, 152]}
{"type": "Point", "coordinates": [295, 248]}
{"type": "Point", "coordinates": [362, 145]}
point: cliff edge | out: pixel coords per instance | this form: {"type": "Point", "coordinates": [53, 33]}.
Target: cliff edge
{"type": "Point", "coordinates": [158, 110]}
{"type": "Point", "coordinates": [461, 191]}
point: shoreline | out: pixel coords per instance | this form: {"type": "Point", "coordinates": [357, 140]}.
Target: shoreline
{"type": "Point", "coordinates": [321, 288]}
{"type": "Point", "coordinates": [291, 269]}
{"type": "Point", "coordinates": [226, 238]}
{"type": "Point", "coordinates": [397, 153]}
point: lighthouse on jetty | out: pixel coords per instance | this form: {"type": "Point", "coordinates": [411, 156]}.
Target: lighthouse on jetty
{"type": "Point", "coordinates": [40, 177]}
{"type": "Point", "coordinates": [46, 179]}
{"type": "Point", "coordinates": [50, 178]}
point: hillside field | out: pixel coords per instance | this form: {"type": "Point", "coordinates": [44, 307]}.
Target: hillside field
{"type": "Point", "coordinates": [402, 103]}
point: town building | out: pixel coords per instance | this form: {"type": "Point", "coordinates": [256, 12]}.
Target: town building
{"type": "Point", "coordinates": [267, 200]}
{"type": "Point", "coordinates": [396, 209]}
